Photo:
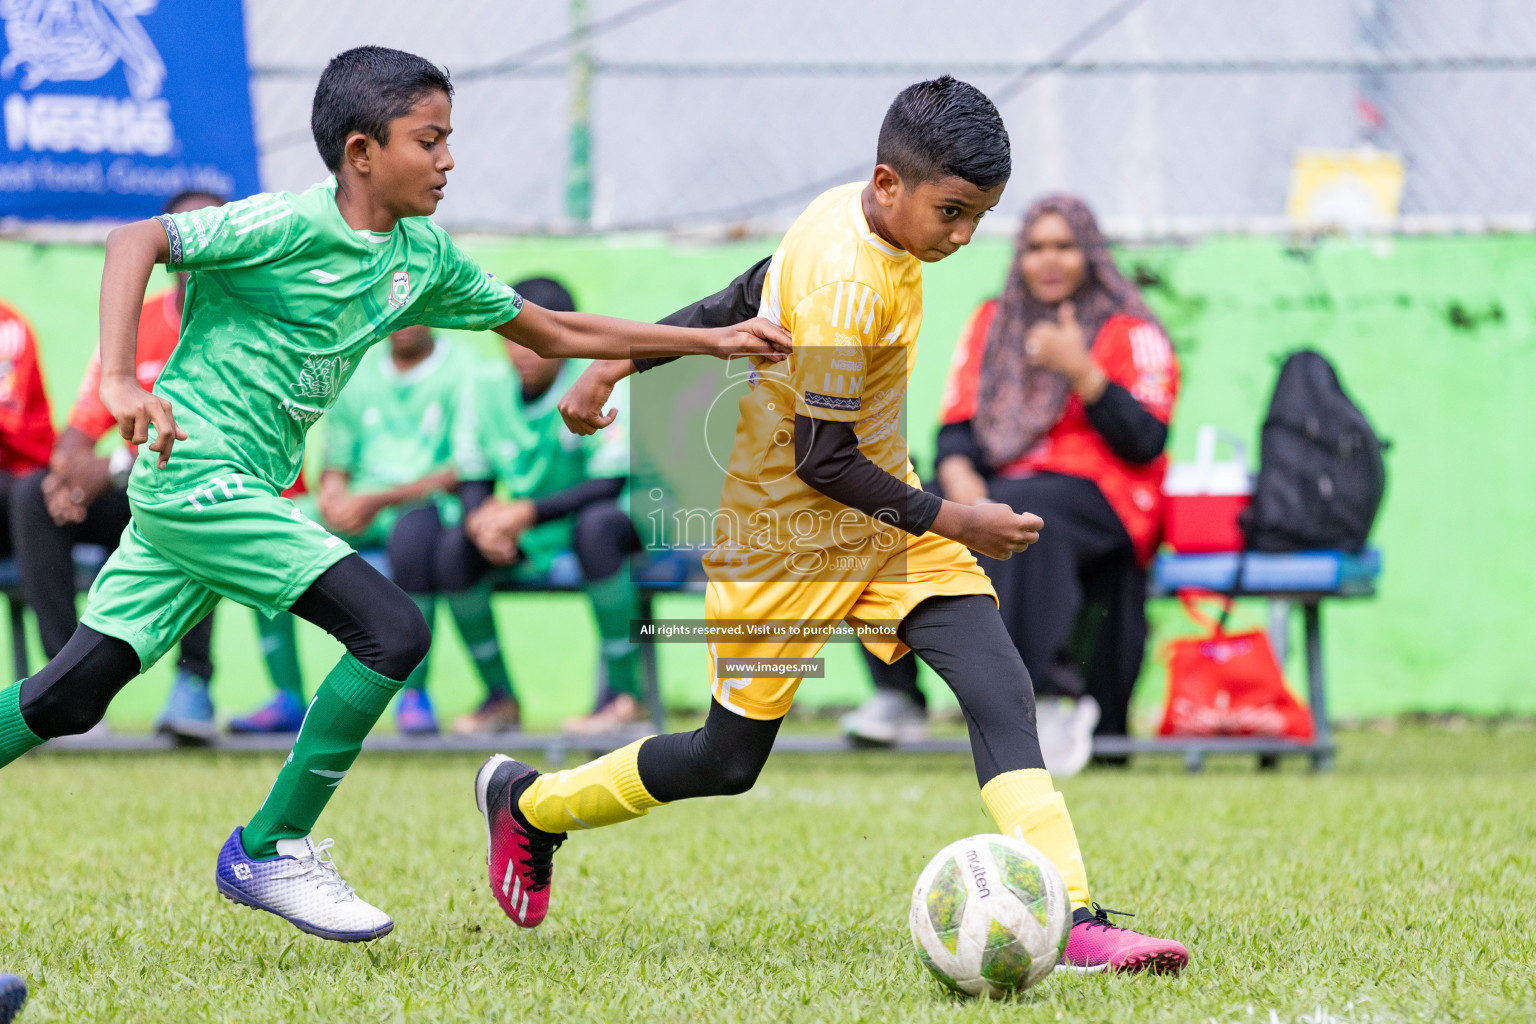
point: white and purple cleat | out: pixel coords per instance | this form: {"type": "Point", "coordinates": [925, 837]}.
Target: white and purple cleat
{"type": "Point", "coordinates": [302, 886]}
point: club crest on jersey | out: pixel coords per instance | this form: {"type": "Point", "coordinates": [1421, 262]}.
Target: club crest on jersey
{"type": "Point", "coordinates": [400, 289]}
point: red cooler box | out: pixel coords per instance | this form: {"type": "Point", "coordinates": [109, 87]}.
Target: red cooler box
{"type": "Point", "coordinates": [1204, 497]}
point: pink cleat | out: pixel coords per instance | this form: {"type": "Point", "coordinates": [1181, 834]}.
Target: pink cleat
{"type": "Point", "coordinates": [1095, 945]}
{"type": "Point", "coordinates": [518, 857]}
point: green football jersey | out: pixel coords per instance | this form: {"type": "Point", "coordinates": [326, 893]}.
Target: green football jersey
{"type": "Point", "coordinates": [524, 448]}
{"type": "Point", "coordinates": [284, 299]}
{"type": "Point", "coordinates": [527, 449]}
{"type": "Point", "coordinates": [391, 427]}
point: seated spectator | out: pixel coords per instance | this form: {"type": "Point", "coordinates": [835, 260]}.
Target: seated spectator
{"type": "Point", "coordinates": [1058, 403]}
{"type": "Point", "coordinates": [26, 425]}
{"type": "Point", "coordinates": [79, 501]}
{"type": "Point", "coordinates": [387, 452]}
{"type": "Point", "coordinates": [557, 492]}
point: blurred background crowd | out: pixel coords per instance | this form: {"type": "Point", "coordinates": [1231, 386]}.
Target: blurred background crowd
{"type": "Point", "coordinates": [1210, 185]}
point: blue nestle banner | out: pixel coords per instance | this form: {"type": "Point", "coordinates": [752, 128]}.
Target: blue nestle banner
{"type": "Point", "coordinates": [110, 107]}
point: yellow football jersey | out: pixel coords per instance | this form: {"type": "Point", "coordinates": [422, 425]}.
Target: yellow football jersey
{"type": "Point", "coordinates": [854, 304]}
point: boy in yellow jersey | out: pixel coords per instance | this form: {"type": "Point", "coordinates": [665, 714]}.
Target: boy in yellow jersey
{"type": "Point", "coordinates": [822, 520]}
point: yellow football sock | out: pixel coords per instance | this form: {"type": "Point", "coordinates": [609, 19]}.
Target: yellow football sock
{"type": "Point", "coordinates": [1025, 804]}
{"type": "Point", "coordinates": [601, 792]}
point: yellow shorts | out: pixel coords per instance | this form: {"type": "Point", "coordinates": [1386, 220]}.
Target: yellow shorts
{"type": "Point", "coordinates": [929, 566]}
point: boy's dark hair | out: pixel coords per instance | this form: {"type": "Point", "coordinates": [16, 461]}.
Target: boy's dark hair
{"type": "Point", "coordinates": [365, 88]}
{"type": "Point", "coordinates": [192, 195]}
{"type": "Point", "coordinates": [945, 128]}
{"type": "Point", "coordinates": [546, 293]}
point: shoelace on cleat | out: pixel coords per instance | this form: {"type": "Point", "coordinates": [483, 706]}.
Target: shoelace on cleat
{"type": "Point", "coordinates": [320, 864]}
{"type": "Point", "coordinates": [1100, 918]}
{"type": "Point", "coordinates": [541, 847]}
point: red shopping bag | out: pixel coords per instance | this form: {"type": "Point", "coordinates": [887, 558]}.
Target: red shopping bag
{"type": "Point", "coordinates": [1228, 684]}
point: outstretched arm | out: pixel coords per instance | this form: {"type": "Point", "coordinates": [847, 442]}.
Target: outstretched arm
{"type": "Point", "coordinates": [582, 406]}
{"type": "Point", "coordinates": [132, 252]}
{"type": "Point", "coordinates": [589, 336]}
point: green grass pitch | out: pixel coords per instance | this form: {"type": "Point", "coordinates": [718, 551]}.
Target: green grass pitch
{"type": "Point", "coordinates": [1396, 888]}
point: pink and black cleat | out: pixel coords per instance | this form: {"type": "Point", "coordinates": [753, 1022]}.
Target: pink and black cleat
{"type": "Point", "coordinates": [518, 857]}
{"type": "Point", "coordinates": [1095, 945]}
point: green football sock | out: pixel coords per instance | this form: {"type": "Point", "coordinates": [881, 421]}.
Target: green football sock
{"type": "Point", "coordinates": [15, 738]}
{"type": "Point", "coordinates": [615, 601]}
{"type": "Point", "coordinates": [345, 708]}
{"type": "Point", "coordinates": [427, 604]}
{"type": "Point", "coordinates": [477, 625]}
{"type": "Point", "coordinates": [281, 652]}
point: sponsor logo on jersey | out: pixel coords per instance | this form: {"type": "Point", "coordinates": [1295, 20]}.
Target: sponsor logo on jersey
{"type": "Point", "coordinates": [302, 413]}
{"type": "Point", "coordinates": [400, 289]}
{"type": "Point", "coordinates": [836, 402]}
{"type": "Point", "coordinates": [325, 276]}
{"type": "Point", "coordinates": [322, 376]}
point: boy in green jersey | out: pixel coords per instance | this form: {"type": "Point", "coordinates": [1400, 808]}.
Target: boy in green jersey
{"type": "Point", "coordinates": [388, 452]}
{"type": "Point", "coordinates": [286, 294]}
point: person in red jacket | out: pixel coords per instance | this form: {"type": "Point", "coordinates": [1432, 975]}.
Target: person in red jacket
{"type": "Point", "coordinates": [72, 498]}
{"type": "Point", "coordinates": [26, 425]}
{"type": "Point", "coordinates": [1058, 403]}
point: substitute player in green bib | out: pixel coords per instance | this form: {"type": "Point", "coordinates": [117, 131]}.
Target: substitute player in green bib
{"type": "Point", "coordinates": [388, 452]}
{"type": "Point", "coordinates": [534, 495]}
{"type": "Point", "coordinates": [287, 292]}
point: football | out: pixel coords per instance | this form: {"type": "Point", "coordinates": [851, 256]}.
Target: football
{"type": "Point", "coordinates": [990, 916]}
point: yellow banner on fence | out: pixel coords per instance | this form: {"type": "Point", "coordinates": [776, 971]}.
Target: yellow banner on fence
{"type": "Point", "coordinates": [1345, 188]}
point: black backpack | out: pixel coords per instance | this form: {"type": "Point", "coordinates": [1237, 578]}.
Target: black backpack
{"type": "Point", "coordinates": [1321, 476]}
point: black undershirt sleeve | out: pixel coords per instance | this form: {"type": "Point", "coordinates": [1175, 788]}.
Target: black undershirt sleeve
{"type": "Point", "coordinates": [732, 304]}
{"type": "Point", "coordinates": [573, 499]}
{"type": "Point", "coordinates": [472, 493]}
{"type": "Point", "coordinates": [1131, 432]}
{"type": "Point", "coordinates": [827, 454]}
{"type": "Point", "coordinates": [958, 439]}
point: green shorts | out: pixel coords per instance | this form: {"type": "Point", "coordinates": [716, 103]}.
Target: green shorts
{"type": "Point", "coordinates": [227, 534]}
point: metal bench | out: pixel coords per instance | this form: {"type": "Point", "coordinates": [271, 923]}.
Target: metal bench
{"type": "Point", "coordinates": [1304, 578]}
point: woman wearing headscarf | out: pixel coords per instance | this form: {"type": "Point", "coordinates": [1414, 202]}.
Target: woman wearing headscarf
{"type": "Point", "coordinates": [1058, 403]}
